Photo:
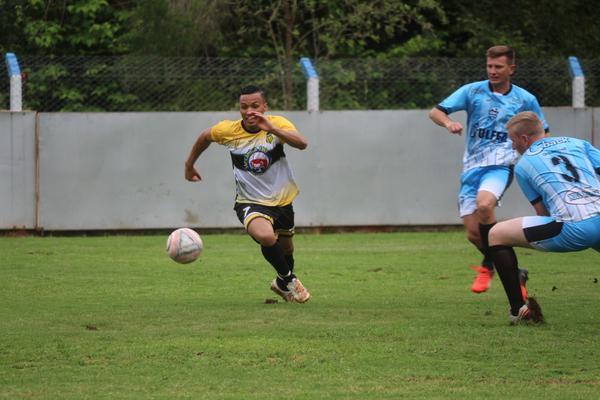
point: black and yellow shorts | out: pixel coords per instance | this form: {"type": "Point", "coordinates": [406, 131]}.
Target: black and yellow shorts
{"type": "Point", "coordinates": [282, 218]}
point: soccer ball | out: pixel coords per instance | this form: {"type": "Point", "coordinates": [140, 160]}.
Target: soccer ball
{"type": "Point", "coordinates": [184, 245]}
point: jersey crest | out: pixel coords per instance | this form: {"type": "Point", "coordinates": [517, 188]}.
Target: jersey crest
{"type": "Point", "coordinates": [257, 160]}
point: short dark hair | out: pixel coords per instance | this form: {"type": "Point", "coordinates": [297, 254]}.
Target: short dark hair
{"type": "Point", "coordinates": [251, 89]}
{"type": "Point", "coordinates": [501, 50]}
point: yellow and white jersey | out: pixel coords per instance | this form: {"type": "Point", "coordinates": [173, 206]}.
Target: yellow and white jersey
{"type": "Point", "coordinates": [261, 170]}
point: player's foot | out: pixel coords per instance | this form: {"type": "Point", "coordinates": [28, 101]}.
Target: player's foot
{"type": "Point", "coordinates": [285, 294]}
{"type": "Point", "coordinates": [530, 312]}
{"type": "Point", "coordinates": [299, 292]}
{"type": "Point", "coordinates": [523, 278]}
{"type": "Point", "coordinates": [483, 279]}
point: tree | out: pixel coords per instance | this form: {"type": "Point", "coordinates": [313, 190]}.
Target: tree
{"type": "Point", "coordinates": [52, 27]}
{"type": "Point", "coordinates": [183, 28]}
{"type": "Point", "coordinates": [325, 29]}
{"type": "Point", "coordinates": [549, 28]}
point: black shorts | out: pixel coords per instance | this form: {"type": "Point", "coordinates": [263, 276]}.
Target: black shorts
{"type": "Point", "coordinates": [282, 218]}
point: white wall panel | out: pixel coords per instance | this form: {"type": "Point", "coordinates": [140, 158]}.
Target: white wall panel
{"type": "Point", "coordinates": [125, 170]}
{"type": "Point", "coordinates": [17, 170]}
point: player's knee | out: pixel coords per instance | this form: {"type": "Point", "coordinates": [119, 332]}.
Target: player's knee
{"type": "Point", "coordinates": [497, 237]}
{"type": "Point", "coordinates": [486, 206]}
{"type": "Point", "coordinates": [265, 239]}
{"type": "Point", "coordinates": [493, 237]}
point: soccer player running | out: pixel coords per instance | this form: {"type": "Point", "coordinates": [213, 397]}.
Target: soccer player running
{"type": "Point", "coordinates": [265, 186]}
{"type": "Point", "coordinates": [488, 156]}
{"type": "Point", "coordinates": [559, 176]}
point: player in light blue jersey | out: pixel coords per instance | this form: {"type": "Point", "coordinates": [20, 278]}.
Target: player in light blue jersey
{"type": "Point", "coordinates": [488, 156]}
{"type": "Point", "coordinates": [560, 177]}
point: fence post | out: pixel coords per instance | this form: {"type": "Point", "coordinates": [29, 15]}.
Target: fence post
{"type": "Point", "coordinates": [578, 83]}
{"type": "Point", "coordinates": [14, 74]}
{"type": "Point", "coordinates": [312, 84]}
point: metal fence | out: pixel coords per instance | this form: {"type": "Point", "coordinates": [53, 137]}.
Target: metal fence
{"type": "Point", "coordinates": [131, 83]}
{"type": "Point", "coordinates": [591, 71]}
{"type": "Point", "coordinates": [421, 83]}
{"type": "Point", "coordinates": [4, 87]}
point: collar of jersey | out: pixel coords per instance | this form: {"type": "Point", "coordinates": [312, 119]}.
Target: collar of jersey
{"type": "Point", "coordinates": [492, 90]}
{"type": "Point", "coordinates": [247, 130]}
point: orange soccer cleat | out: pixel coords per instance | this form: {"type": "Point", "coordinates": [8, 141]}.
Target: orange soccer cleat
{"type": "Point", "coordinates": [483, 280]}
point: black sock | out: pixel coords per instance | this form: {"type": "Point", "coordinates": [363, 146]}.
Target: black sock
{"type": "Point", "coordinates": [487, 263]}
{"type": "Point", "coordinates": [506, 263]}
{"type": "Point", "coordinates": [280, 282]}
{"type": "Point", "coordinates": [274, 255]}
{"type": "Point", "coordinates": [484, 230]}
{"type": "Point", "coordinates": [290, 260]}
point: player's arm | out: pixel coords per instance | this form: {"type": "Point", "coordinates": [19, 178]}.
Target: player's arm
{"type": "Point", "coordinates": [293, 138]}
{"type": "Point", "coordinates": [289, 136]}
{"type": "Point", "coordinates": [529, 190]}
{"type": "Point", "coordinates": [534, 106]}
{"type": "Point", "coordinates": [442, 119]}
{"type": "Point", "coordinates": [201, 144]}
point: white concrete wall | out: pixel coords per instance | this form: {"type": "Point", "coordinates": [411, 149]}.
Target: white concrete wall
{"type": "Point", "coordinates": [125, 170]}
{"type": "Point", "coordinates": [17, 170]}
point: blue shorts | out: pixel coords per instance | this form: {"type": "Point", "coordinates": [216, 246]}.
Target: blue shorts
{"type": "Point", "coordinates": [548, 234]}
{"type": "Point", "coordinates": [494, 179]}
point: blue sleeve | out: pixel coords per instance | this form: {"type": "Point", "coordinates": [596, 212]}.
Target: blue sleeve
{"type": "Point", "coordinates": [525, 184]}
{"type": "Point", "coordinates": [457, 101]}
{"type": "Point", "coordinates": [535, 107]}
{"type": "Point", "coordinates": [594, 155]}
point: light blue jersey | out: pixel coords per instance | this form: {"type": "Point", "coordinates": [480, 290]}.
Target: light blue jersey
{"type": "Point", "coordinates": [487, 141]}
{"type": "Point", "coordinates": [562, 172]}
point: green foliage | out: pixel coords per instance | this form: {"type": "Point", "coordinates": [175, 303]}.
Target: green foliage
{"type": "Point", "coordinates": [186, 28]}
{"type": "Point", "coordinates": [282, 31]}
{"type": "Point", "coordinates": [89, 27]}
{"type": "Point", "coordinates": [545, 28]}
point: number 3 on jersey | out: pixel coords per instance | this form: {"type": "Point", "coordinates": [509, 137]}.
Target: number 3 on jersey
{"type": "Point", "coordinates": [574, 177]}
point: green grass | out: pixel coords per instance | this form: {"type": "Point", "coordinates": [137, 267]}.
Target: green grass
{"type": "Point", "coordinates": [391, 317]}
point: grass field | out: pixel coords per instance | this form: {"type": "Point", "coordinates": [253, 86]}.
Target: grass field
{"type": "Point", "coordinates": [391, 317]}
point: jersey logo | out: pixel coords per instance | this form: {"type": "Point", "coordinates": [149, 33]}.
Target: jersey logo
{"type": "Point", "coordinates": [269, 138]}
{"type": "Point", "coordinates": [257, 160]}
{"type": "Point", "coordinates": [540, 146]}
{"type": "Point", "coordinates": [582, 196]}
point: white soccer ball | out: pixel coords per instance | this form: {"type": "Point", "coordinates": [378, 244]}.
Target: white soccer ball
{"type": "Point", "coordinates": [184, 245]}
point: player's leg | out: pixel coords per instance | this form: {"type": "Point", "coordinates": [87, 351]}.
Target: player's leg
{"type": "Point", "coordinates": [279, 285]}
{"type": "Point", "coordinates": [287, 243]}
{"type": "Point", "coordinates": [285, 228]}
{"type": "Point", "coordinates": [467, 205]}
{"type": "Point", "coordinates": [261, 230]}
{"type": "Point", "coordinates": [258, 221]}
{"type": "Point", "coordinates": [502, 238]}
{"type": "Point", "coordinates": [479, 225]}
{"type": "Point", "coordinates": [286, 284]}
{"type": "Point", "coordinates": [484, 271]}
{"type": "Point", "coordinates": [493, 182]}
